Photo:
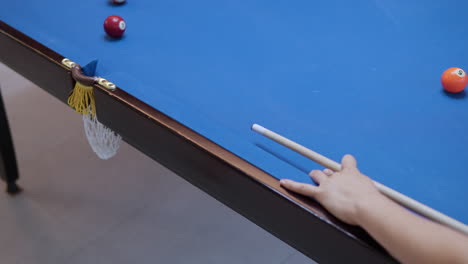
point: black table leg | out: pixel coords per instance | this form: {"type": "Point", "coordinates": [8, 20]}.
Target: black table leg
{"type": "Point", "coordinates": [8, 166]}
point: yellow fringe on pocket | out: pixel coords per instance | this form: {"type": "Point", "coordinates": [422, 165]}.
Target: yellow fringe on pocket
{"type": "Point", "coordinates": [82, 100]}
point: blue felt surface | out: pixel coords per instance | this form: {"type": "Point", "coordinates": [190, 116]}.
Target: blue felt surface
{"type": "Point", "coordinates": [357, 77]}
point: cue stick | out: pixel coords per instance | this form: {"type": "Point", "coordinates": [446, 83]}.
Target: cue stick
{"type": "Point", "coordinates": [401, 199]}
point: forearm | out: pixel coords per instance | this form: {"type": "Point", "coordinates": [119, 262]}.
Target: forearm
{"type": "Point", "coordinates": [408, 237]}
{"type": "Point", "coordinates": [353, 198]}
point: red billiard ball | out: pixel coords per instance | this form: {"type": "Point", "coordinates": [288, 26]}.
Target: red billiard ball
{"type": "Point", "coordinates": [114, 26]}
{"type": "Point", "coordinates": [118, 2]}
{"type": "Point", "coordinates": [454, 80]}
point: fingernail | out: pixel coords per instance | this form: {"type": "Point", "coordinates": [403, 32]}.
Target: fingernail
{"type": "Point", "coordinates": [283, 181]}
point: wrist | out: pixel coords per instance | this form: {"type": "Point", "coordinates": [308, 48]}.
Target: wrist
{"type": "Point", "coordinates": [366, 206]}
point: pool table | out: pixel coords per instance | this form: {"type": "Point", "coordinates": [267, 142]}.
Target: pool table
{"type": "Point", "coordinates": [360, 77]}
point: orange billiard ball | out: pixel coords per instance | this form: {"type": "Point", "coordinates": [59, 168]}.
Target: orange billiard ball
{"type": "Point", "coordinates": [454, 80]}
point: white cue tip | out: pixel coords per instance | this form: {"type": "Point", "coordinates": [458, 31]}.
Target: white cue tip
{"type": "Point", "coordinates": [258, 128]}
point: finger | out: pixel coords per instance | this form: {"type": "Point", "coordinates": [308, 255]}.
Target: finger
{"type": "Point", "coordinates": [301, 188]}
{"type": "Point", "coordinates": [348, 162]}
{"type": "Point", "coordinates": [328, 172]}
{"type": "Point", "coordinates": [318, 176]}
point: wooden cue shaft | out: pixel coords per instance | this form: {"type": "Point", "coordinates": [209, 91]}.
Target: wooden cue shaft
{"type": "Point", "coordinates": [402, 199]}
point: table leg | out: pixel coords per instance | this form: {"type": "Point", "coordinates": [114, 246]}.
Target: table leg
{"type": "Point", "coordinates": [8, 166]}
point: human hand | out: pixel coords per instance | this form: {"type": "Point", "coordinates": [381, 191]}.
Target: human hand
{"type": "Point", "coordinates": [341, 193]}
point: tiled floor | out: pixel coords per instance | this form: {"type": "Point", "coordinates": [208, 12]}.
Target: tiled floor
{"type": "Point", "coordinates": [79, 209]}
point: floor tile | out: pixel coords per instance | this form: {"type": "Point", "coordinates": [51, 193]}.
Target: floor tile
{"type": "Point", "coordinates": [298, 258]}
{"type": "Point", "coordinates": [189, 228]}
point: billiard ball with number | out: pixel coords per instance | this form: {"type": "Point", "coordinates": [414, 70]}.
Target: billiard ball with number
{"type": "Point", "coordinates": [454, 80]}
{"type": "Point", "coordinates": [114, 26]}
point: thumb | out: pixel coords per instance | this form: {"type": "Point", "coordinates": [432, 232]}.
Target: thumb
{"type": "Point", "coordinates": [348, 162]}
